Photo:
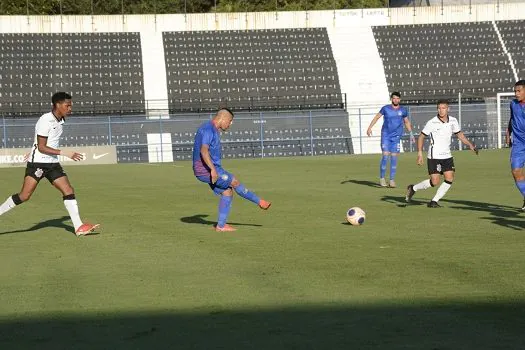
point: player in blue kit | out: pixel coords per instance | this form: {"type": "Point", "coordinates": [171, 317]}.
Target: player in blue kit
{"type": "Point", "coordinates": [207, 168]}
{"type": "Point", "coordinates": [395, 116]}
{"type": "Point", "coordinates": [515, 137]}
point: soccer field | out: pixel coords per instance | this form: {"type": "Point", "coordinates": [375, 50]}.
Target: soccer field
{"type": "Point", "coordinates": [293, 277]}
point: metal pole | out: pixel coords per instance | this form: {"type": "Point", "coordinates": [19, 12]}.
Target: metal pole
{"type": "Point", "coordinates": [261, 133]}
{"type": "Point", "coordinates": [109, 131]}
{"type": "Point", "coordinates": [311, 134]}
{"type": "Point", "coordinates": [5, 132]}
{"type": "Point", "coordinates": [360, 134]}
{"type": "Point", "coordinates": [460, 147]}
{"type": "Point", "coordinates": [498, 111]}
{"type": "Point", "coordinates": [27, 7]}
{"type": "Point", "coordinates": [161, 142]}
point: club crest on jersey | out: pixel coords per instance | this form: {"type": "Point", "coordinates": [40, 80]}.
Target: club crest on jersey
{"type": "Point", "coordinates": [39, 172]}
{"type": "Point", "coordinates": [399, 113]}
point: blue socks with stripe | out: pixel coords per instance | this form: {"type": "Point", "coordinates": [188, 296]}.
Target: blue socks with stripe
{"type": "Point", "coordinates": [382, 167]}
{"type": "Point", "coordinates": [247, 194]}
{"type": "Point", "coordinates": [225, 205]}
{"type": "Point", "coordinates": [393, 167]}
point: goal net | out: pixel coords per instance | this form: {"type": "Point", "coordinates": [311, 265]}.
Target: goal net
{"type": "Point", "coordinates": [502, 114]}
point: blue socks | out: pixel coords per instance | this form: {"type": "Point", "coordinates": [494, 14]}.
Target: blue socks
{"type": "Point", "coordinates": [521, 187]}
{"type": "Point", "coordinates": [382, 167]}
{"type": "Point", "coordinates": [246, 194]}
{"type": "Point", "coordinates": [393, 167]}
{"type": "Point", "coordinates": [225, 205]}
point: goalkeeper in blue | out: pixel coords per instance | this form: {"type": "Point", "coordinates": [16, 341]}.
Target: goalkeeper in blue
{"type": "Point", "coordinates": [395, 116]}
{"type": "Point", "coordinates": [515, 137]}
{"type": "Point", "coordinates": [207, 155]}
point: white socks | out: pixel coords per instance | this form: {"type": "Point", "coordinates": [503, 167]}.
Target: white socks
{"type": "Point", "coordinates": [8, 205]}
{"type": "Point", "coordinates": [423, 185]}
{"type": "Point", "coordinates": [442, 190]}
{"type": "Point", "coordinates": [72, 209]}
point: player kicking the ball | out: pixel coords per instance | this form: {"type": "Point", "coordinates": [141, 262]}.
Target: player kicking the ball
{"type": "Point", "coordinates": [43, 162]}
{"type": "Point", "coordinates": [440, 161]}
{"type": "Point", "coordinates": [207, 167]}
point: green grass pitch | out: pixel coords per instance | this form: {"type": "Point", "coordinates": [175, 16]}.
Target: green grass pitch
{"type": "Point", "coordinates": [294, 277]}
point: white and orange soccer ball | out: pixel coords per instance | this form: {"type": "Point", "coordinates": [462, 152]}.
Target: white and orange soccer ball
{"type": "Point", "coordinates": [356, 216]}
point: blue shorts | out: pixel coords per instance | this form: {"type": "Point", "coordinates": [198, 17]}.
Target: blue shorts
{"type": "Point", "coordinates": [390, 144]}
{"type": "Point", "coordinates": [517, 158]}
{"type": "Point", "coordinates": [222, 184]}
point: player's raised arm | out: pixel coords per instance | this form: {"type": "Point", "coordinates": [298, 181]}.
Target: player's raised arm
{"type": "Point", "coordinates": [372, 123]}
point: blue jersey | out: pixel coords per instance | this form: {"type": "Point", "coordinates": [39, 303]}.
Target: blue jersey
{"type": "Point", "coordinates": [393, 120]}
{"type": "Point", "coordinates": [207, 134]}
{"type": "Point", "coordinates": [517, 124]}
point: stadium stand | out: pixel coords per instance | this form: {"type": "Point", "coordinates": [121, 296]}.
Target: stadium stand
{"type": "Point", "coordinates": [288, 135]}
{"type": "Point", "coordinates": [273, 69]}
{"type": "Point", "coordinates": [432, 61]}
{"type": "Point", "coordinates": [103, 72]}
{"type": "Point", "coordinates": [514, 37]}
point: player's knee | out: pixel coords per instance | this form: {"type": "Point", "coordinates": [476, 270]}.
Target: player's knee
{"type": "Point", "coordinates": [235, 182]}
{"type": "Point", "coordinates": [518, 174]}
{"type": "Point", "coordinates": [228, 192]}
{"type": "Point", "coordinates": [434, 182]}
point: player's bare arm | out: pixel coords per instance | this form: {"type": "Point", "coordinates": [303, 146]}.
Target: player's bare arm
{"type": "Point", "coordinates": [205, 153]}
{"type": "Point", "coordinates": [408, 126]}
{"type": "Point", "coordinates": [420, 141]}
{"type": "Point", "coordinates": [508, 132]}
{"type": "Point", "coordinates": [466, 141]}
{"type": "Point", "coordinates": [44, 148]}
{"type": "Point", "coordinates": [372, 123]}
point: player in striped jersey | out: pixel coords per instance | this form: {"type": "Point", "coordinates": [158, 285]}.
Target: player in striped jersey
{"type": "Point", "coordinates": [439, 158]}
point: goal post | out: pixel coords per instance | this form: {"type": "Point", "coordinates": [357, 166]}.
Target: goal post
{"type": "Point", "coordinates": [503, 113]}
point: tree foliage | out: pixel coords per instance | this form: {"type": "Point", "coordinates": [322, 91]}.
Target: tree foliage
{"type": "Point", "coordinates": [111, 7]}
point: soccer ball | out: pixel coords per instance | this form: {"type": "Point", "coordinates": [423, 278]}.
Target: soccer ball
{"type": "Point", "coordinates": [356, 216]}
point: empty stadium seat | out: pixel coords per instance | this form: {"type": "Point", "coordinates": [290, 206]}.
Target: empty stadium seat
{"type": "Point", "coordinates": [102, 71]}
{"type": "Point", "coordinates": [251, 70]}
{"type": "Point", "coordinates": [432, 61]}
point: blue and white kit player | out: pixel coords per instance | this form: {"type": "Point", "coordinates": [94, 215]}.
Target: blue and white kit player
{"type": "Point", "coordinates": [207, 168]}
{"type": "Point", "coordinates": [516, 137]}
{"type": "Point", "coordinates": [395, 116]}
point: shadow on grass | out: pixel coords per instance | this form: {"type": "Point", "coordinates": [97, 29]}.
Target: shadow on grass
{"type": "Point", "coordinates": [503, 215]}
{"type": "Point", "coordinates": [201, 219]}
{"type": "Point", "coordinates": [57, 223]}
{"type": "Point", "coordinates": [422, 326]}
{"type": "Point", "coordinates": [362, 182]}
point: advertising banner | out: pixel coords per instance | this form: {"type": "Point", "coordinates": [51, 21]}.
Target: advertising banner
{"type": "Point", "coordinates": [92, 155]}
